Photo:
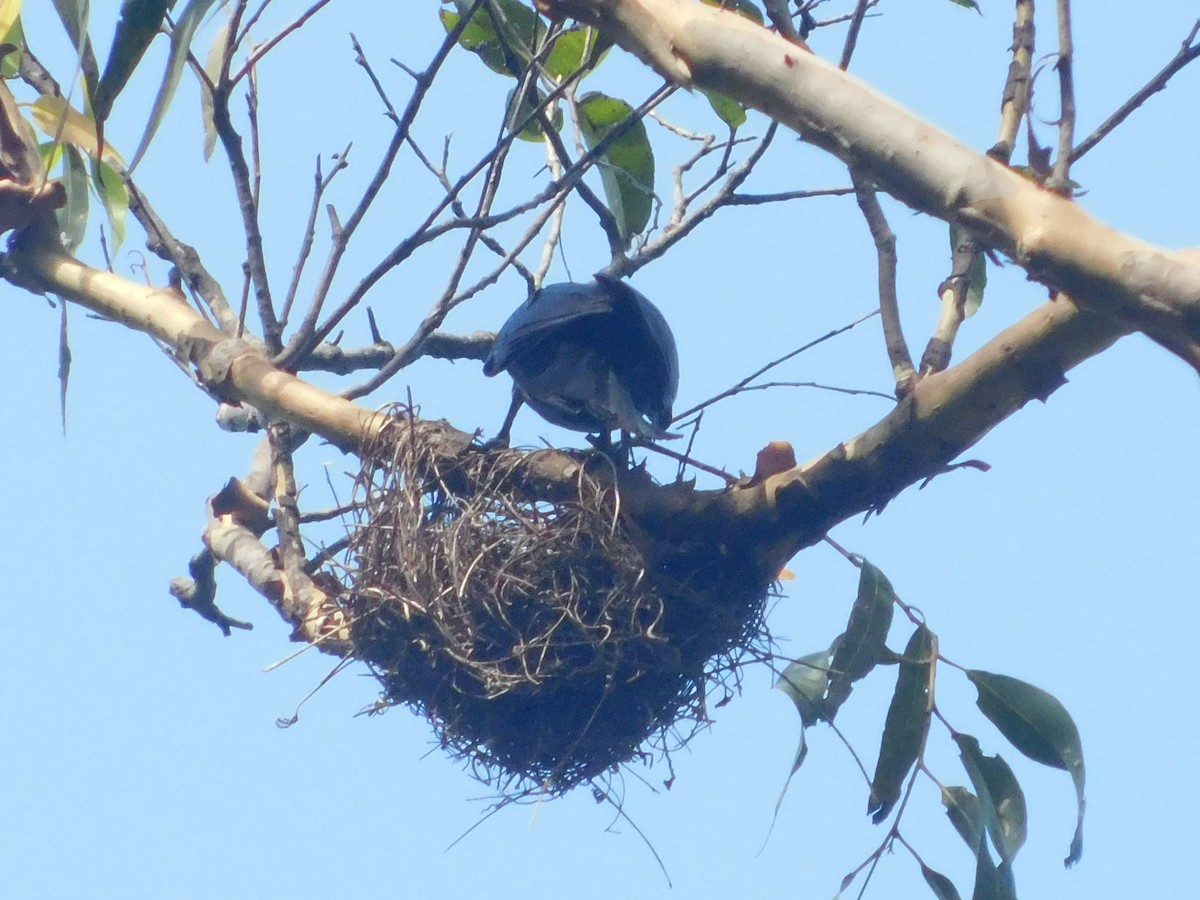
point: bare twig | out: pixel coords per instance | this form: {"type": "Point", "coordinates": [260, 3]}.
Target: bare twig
{"type": "Point", "coordinates": [903, 370]}
{"type": "Point", "coordinates": [307, 335]}
{"type": "Point", "coordinates": [1188, 52]}
{"type": "Point", "coordinates": [320, 184]}
{"type": "Point", "coordinates": [729, 392]}
{"type": "Point", "coordinates": [256, 57]}
{"type": "Point", "coordinates": [1060, 178]}
{"type": "Point", "coordinates": [856, 20]}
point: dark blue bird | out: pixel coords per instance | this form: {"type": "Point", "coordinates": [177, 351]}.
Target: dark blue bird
{"type": "Point", "coordinates": [589, 357]}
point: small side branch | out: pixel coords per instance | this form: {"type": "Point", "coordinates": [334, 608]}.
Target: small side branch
{"type": "Point", "coordinates": [903, 369]}
{"type": "Point", "coordinates": [1060, 178]}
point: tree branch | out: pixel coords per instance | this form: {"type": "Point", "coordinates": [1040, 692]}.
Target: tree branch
{"type": "Point", "coordinates": [1052, 238]}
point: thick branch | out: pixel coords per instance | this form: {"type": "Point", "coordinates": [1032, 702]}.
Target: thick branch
{"type": "Point", "coordinates": [768, 520]}
{"type": "Point", "coordinates": [1055, 240]}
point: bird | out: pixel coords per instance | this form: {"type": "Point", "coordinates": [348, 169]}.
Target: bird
{"type": "Point", "coordinates": [594, 357]}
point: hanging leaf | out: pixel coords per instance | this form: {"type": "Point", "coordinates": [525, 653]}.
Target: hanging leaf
{"type": "Point", "coordinates": [13, 38]}
{"type": "Point", "coordinates": [505, 41]}
{"type": "Point", "coordinates": [965, 814]}
{"type": "Point", "coordinates": [64, 363]}
{"type": "Point", "coordinates": [906, 725]}
{"type": "Point", "coordinates": [72, 216]}
{"type": "Point", "coordinates": [576, 48]}
{"type": "Point", "coordinates": [522, 114]}
{"type": "Point", "coordinates": [969, 4]}
{"type": "Point", "coordinates": [626, 166]}
{"type": "Point", "coordinates": [114, 195]}
{"type": "Point", "coordinates": [805, 681]}
{"type": "Point", "coordinates": [1038, 725]}
{"type": "Point", "coordinates": [942, 887]}
{"type": "Point", "coordinates": [74, 16]}
{"type": "Point", "coordinates": [727, 109]}
{"type": "Point", "coordinates": [60, 120]}
{"type": "Point", "coordinates": [1001, 799]}
{"type": "Point", "coordinates": [10, 11]}
{"type": "Point", "coordinates": [181, 41]}
{"type": "Point", "coordinates": [212, 68]}
{"type": "Point", "coordinates": [863, 644]}
{"type": "Point", "coordinates": [140, 21]}
{"type": "Point", "coordinates": [976, 274]}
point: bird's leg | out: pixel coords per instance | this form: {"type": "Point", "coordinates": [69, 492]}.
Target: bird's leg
{"type": "Point", "coordinates": [502, 436]}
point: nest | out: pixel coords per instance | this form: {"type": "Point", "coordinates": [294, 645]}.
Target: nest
{"type": "Point", "coordinates": [536, 637]}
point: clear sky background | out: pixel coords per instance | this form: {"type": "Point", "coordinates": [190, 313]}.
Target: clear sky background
{"type": "Point", "coordinates": [140, 748]}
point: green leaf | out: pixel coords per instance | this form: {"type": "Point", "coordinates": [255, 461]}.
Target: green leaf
{"type": "Point", "coordinates": [14, 37]}
{"type": "Point", "coordinates": [976, 274]}
{"type": "Point", "coordinates": [522, 114]}
{"type": "Point", "coordinates": [906, 725]}
{"type": "Point", "coordinates": [729, 110]}
{"type": "Point", "coordinates": [575, 49]}
{"type": "Point", "coordinates": [1038, 725]}
{"type": "Point", "coordinates": [212, 68]}
{"type": "Point", "coordinates": [505, 41]}
{"type": "Point", "coordinates": [74, 16]}
{"type": "Point", "coordinates": [181, 41]}
{"type": "Point", "coordinates": [114, 194]}
{"type": "Point", "coordinates": [72, 216]}
{"type": "Point", "coordinates": [805, 681]}
{"type": "Point", "coordinates": [1001, 798]}
{"type": "Point", "coordinates": [742, 7]}
{"type": "Point", "coordinates": [10, 12]}
{"type": "Point", "coordinates": [965, 814]}
{"type": "Point", "coordinates": [139, 23]}
{"type": "Point", "coordinates": [942, 887]}
{"type": "Point", "coordinates": [969, 4]}
{"type": "Point", "coordinates": [990, 882]}
{"type": "Point", "coordinates": [626, 166]}
{"type": "Point", "coordinates": [862, 645]}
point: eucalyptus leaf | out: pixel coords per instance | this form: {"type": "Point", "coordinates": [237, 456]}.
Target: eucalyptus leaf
{"type": "Point", "coordinates": [74, 15]}
{"type": "Point", "coordinates": [863, 644]}
{"type": "Point", "coordinates": [181, 41]}
{"type": "Point", "coordinates": [943, 888]}
{"type": "Point", "coordinates": [140, 21]}
{"type": "Point", "coordinates": [1038, 725]}
{"type": "Point", "coordinates": [72, 216]}
{"type": "Point", "coordinates": [906, 725]}
{"type": "Point", "coordinates": [626, 165]}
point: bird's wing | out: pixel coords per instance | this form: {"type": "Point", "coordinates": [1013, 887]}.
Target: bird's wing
{"type": "Point", "coordinates": [550, 309]}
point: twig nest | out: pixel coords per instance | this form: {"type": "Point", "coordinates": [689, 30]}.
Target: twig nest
{"type": "Point", "coordinates": [536, 637]}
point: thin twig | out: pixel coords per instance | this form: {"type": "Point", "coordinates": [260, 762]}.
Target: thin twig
{"type": "Point", "coordinates": [256, 57]}
{"type": "Point", "coordinates": [320, 185]}
{"type": "Point", "coordinates": [856, 20]}
{"type": "Point", "coordinates": [903, 370]}
{"type": "Point", "coordinates": [1060, 178]}
{"type": "Point", "coordinates": [729, 392]}
{"type": "Point", "coordinates": [1188, 52]}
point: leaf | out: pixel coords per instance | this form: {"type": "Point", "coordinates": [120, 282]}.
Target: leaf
{"type": "Point", "coordinates": [14, 37]}
{"type": "Point", "coordinates": [965, 814]}
{"type": "Point", "coordinates": [1001, 799]}
{"type": "Point", "coordinates": [969, 4]}
{"type": "Point", "coordinates": [626, 166]}
{"type": "Point", "coordinates": [575, 49]}
{"type": "Point", "coordinates": [805, 681]}
{"type": "Point", "coordinates": [523, 114]}
{"type": "Point", "coordinates": [181, 40]}
{"type": "Point", "coordinates": [72, 216]}
{"type": "Point", "coordinates": [114, 194]}
{"type": "Point", "coordinates": [906, 725]}
{"type": "Point", "coordinates": [862, 645]}
{"type": "Point", "coordinates": [64, 363]}
{"type": "Point", "coordinates": [10, 11]}
{"type": "Point", "coordinates": [727, 109]}
{"type": "Point", "coordinates": [74, 16]}
{"type": "Point", "coordinates": [976, 274]}
{"type": "Point", "coordinates": [61, 121]}
{"type": "Point", "coordinates": [212, 68]}
{"type": "Point", "coordinates": [505, 41]}
{"type": "Point", "coordinates": [990, 882]}
{"type": "Point", "coordinates": [140, 21]}
{"type": "Point", "coordinates": [1038, 725]}
{"type": "Point", "coordinates": [942, 887]}
{"type": "Point", "coordinates": [742, 7]}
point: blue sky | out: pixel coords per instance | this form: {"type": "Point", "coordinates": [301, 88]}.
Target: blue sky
{"type": "Point", "coordinates": [141, 748]}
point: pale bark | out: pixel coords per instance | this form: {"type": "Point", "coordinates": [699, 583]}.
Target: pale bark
{"type": "Point", "coordinates": [1054, 239]}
